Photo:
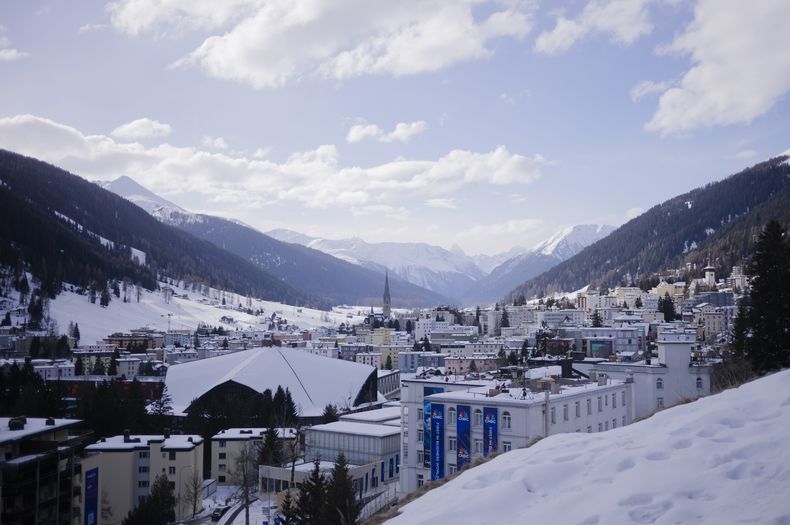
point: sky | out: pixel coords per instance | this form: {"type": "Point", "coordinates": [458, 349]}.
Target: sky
{"type": "Point", "coordinates": [481, 124]}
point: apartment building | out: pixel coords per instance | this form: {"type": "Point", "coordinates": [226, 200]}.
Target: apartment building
{"type": "Point", "coordinates": [227, 444]}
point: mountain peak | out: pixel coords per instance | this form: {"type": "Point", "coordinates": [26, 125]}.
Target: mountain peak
{"type": "Point", "coordinates": [133, 191]}
{"type": "Point", "coordinates": [571, 240]}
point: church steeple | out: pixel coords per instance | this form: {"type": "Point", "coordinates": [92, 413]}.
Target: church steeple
{"type": "Point", "coordinates": [387, 301]}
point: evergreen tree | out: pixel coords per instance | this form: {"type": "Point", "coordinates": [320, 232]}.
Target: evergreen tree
{"type": "Point", "coordinates": [388, 362]}
{"type": "Point", "coordinates": [638, 302]}
{"type": "Point", "coordinates": [667, 307]}
{"type": "Point", "coordinates": [505, 322]}
{"type": "Point", "coordinates": [597, 322]}
{"type": "Point", "coordinates": [511, 358]}
{"type": "Point", "coordinates": [79, 367]}
{"type": "Point", "coordinates": [98, 367]}
{"type": "Point", "coordinates": [473, 366]}
{"type": "Point", "coordinates": [6, 319]}
{"type": "Point", "coordinates": [768, 348]}
{"type": "Point", "coordinates": [740, 329]}
{"type": "Point", "coordinates": [112, 369]}
{"type": "Point", "coordinates": [157, 508]}
{"type": "Point", "coordinates": [270, 451]}
{"type": "Point", "coordinates": [330, 414]}
{"type": "Point", "coordinates": [311, 500]}
{"type": "Point", "coordinates": [409, 326]}
{"type": "Point", "coordinates": [342, 505]}
{"type": "Point", "coordinates": [105, 297]}
{"type": "Point", "coordinates": [288, 510]}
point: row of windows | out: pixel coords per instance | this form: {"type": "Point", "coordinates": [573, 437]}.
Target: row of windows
{"type": "Point", "coordinates": [603, 401]}
{"type": "Point", "coordinates": [477, 418]}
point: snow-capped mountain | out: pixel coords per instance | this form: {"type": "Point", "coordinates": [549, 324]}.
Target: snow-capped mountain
{"type": "Point", "coordinates": [321, 274]}
{"type": "Point", "coordinates": [545, 255]}
{"type": "Point", "coordinates": [487, 263]}
{"type": "Point", "coordinates": [432, 267]}
{"type": "Point", "coordinates": [721, 459]}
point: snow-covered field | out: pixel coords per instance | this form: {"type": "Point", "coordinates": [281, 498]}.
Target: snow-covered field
{"type": "Point", "coordinates": [181, 313]}
{"type": "Point", "coordinates": [722, 459]}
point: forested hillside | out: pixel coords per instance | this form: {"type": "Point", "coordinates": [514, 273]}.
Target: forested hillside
{"type": "Point", "coordinates": [717, 221]}
{"type": "Point", "coordinates": [63, 228]}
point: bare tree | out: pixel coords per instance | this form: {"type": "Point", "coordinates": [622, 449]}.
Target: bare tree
{"type": "Point", "coordinates": [193, 490]}
{"type": "Point", "coordinates": [245, 475]}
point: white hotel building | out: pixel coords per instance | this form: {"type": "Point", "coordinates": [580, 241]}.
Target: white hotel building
{"type": "Point", "coordinates": [473, 419]}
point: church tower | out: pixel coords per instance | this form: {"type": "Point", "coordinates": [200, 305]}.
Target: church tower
{"type": "Point", "coordinates": [387, 302]}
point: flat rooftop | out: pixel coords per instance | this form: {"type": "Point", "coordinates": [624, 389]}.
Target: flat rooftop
{"type": "Point", "coordinates": [33, 427]}
{"type": "Point", "coordinates": [252, 433]}
{"type": "Point", "coordinates": [359, 429]}
{"type": "Point", "coordinates": [135, 442]}
{"type": "Point", "coordinates": [373, 416]}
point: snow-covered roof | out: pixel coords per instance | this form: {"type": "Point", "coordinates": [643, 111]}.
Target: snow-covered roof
{"type": "Point", "coordinates": [373, 416]}
{"type": "Point", "coordinates": [359, 429]}
{"type": "Point", "coordinates": [314, 381]}
{"type": "Point", "coordinates": [32, 427]}
{"type": "Point", "coordinates": [721, 459]}
{"type": "Point", "coordinates": [253, 433]}
{"type": "Point", "coordinates": [141, 441]}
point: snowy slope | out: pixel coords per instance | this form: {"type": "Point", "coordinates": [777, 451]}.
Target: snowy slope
{"type": "Point", "coordinates": [130, 190]}
{"type": "Point", "coordinates": [722, 459]}
{"type": "Point", "coordinates": [545, 255]}
{"type": "Point", "coordinates": [425, 265]}
{"type": "Point", "coordinates": [184, 312]}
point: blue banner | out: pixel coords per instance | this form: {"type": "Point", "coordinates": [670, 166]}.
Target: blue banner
{"type": "Point", "coordinates": [463, 441]}
{"type": "Point", "coordinates": [426, 423]}
{"type": "Point", "coordinates": [489, 430]}
{"type": "Point", "coordinates": [437, 439]}
{"type": "Point", "coordinates": [91, 496]}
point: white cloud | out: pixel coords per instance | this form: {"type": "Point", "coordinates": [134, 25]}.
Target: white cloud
{"type": "Point", "coordinates": [142, 128]}
{"type": "Point", "coordinates": [647, 87]}
{"type": "Point", "coordinates": [262, 153]}
{"type": "Point", "coordinates": [403, 132]}
{"type": "Point", "coordinates": [91, 28]}
{"type": "Point", "coordinates": [741, 66]}
{"type": "Point", "coordinates": [8, 53]}
{"type": "Point", "coordinates": [214, 143]}
{"type": "Point", "coordinates": [623, 20]}
{"type": "Point", "coordinates": [633, 212]}
{"type": "Point", "coordinates": [313, 178]}
{"type": "Point", "coordinates": [506, 233]}
{"type": "Point", "coordinates": [445, 203]}
{"type": "Point", "coordinates": [745, 154]}
{"type": "Point", "coordinates": [269, 43]}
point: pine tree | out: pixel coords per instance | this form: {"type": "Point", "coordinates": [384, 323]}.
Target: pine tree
{"type": "Point", "coordinates": [271, 452]}
{"type": "Point", "coordinates": [288, 510]}
{"type": "Point", "coordinates": [388, 362]}
{"type": "Point", "coordinates": [330, 414]}
{"type": "Point", "coordinates": [638, 302]}
{"type": "Point", "coordinates": [505, 322]}
{"type": "Point", "coordinates": [311, 500]}
{"type": "Point", "coordinates": [79, 367]}
{"type": "Point", "coordinates": [112, 369]}
{"type": "Point", "coordinates": [6, 319]}
{"type": "Point", "coordinates": [98, 367]}
{"type": "Point", "coordinates": [342, 505]}
{"type": "Point", "coordinates": [157, 508]}
{"type": "Point", "coordinates": [76, 333]}
{"type": "Point", "coordinates": [768, 348]}
{"type": "Point", "coordinates": [597, 322]}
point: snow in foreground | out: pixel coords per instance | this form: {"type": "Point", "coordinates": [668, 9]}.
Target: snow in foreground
{"type": "Point", "coordinates": [722, 459]}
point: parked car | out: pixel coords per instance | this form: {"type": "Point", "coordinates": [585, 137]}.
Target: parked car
{"type": "Point", "coordinates": [219, 512]}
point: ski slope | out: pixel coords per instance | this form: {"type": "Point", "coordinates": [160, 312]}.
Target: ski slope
{"type": "Point", "coordinates": [721, 459]}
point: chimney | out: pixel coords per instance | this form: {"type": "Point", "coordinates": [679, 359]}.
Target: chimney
{"type": "Point", "coordinates": [50, 422]}
{"type": "Point", "coordinates": [126, 437]}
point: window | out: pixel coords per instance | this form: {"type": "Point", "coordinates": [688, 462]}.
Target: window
{"type": "Point", "coordinates": [565, 412]}
{"type": "Point", "coordinates": [660, 402]}
{"type": "Point", "coordinates": [222, 467]}
{"type": "Point", "coordinates": [478, 417]}
{"type": "Point", "coordinates": [623, 398]}
{"type": "Point", "coordinates": [171, 455]}
{"type": "Point", "coordinates": [614, 400]}
{"type": "Point", "coordinates": [507, 446]}
{"type": "Point", "coordinates": [578, 409]}
{"type": "Point", "coordinates": [420, 457]}
{"type": "Point", "coordinates": [419, 436]}
{"type": "Point", "coordinates": [506, 420]}
{"type": "Point", "coordinates": [589, 407]}
{"type": "Point", "coordinates": [606, 400]}
{"type": "Point", "coordinates": [420, 414]}
{"type": "Point", "coordinates": [623, 420]}
{"type": "Point", "coordinates": [600, 404]}
{"type": "Point", "coordinates": [453, 443]}
{"type": "Point", "coordinates": [553, 415]}
{"type": "Point", "coordinates": [451, 416]}
{"type": "Point", "coordinates": [451, 469]}
{"type": "Point", "coordinates": [600, 427]}
{"type": "Point", "coordinates": [397, 463]}
{"type": "Point", "coordinates": [699, 383]}
{"type": "Point", "coordinates": [142, 469]}
{"type": "Point", "coordinates": [142, 484]}
{"type": "Point", "coordinates": [171, 471]}
{"type": "Point", "coordinates": [222, 443]}
{"type": "Point", "coordinates": [606, 425]}
{"type": "Point", "coordinates": [143, 454]}
{"type": "Point", "coordinates": [222, 479]}
{"type": "Point", "coordinates": [222, 455]}
{"type": "Point", "coordinates": [614, 423]}
{"type": "Point", "coordinates": [589, 430]}
{"type": "Point", "coordinates": [420, 480]}
{"type": "Point", "coordinates": [659, 384]}
{"type": "Point", "coordinates": [478, 446]}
